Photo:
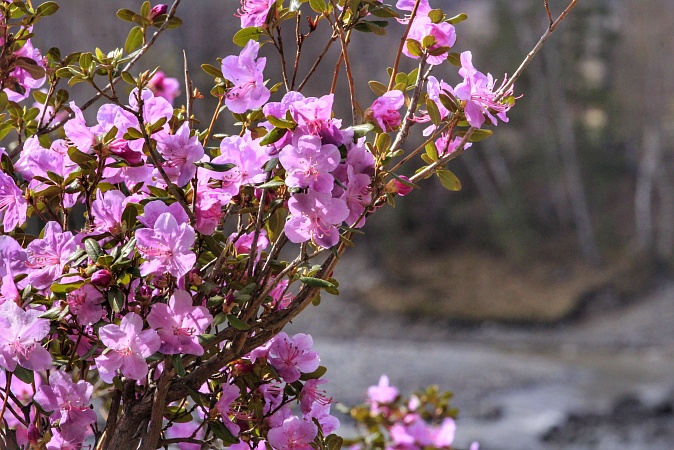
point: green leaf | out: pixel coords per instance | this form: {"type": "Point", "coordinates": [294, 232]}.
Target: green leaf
{"type": "Point", "coordinates": [30, 66]}
{"type": "Point", "coordinates": [281, 123]}
{"type": "Point", "coordinates": [178, 364]}
{"type": "Point", "coordinates": [432, 151]}
{"type": "Point", "coordinates": [237, 323]}
{"type": "Point", "coordinates": [24, 374]}
{"type": "Point", "coordinates": [177, 414]}
{"type": "Point", "coordinates": [436, 15]}
{"type": "Point", "coordinates": [433, 112]}
{"type": "Point", "coordinates": [47, 9]}
{"type": "Point", "coordinates": [80, 158]}
{"type": "Point", "coordinates": [317, 282]}
{"type": "Point", "coordinates": [273, 184]}
{"type": "Point", "coordinates": [116, 299]}
{"type": "Point", "coordinates": [448, 180]}
{"type": "Point", "coordinates": [479, 135]}
{"type": "Point", "coordinates": [458, 18]}
{"type": "Point", "coordinates": [273, 136]}
{"type": "Point", "coordinates": [361, 130]}
{"type": "Point", "coordinates": [93, 249]}
{"type": "Point", "coordinates": [414, 47]}
{"type": "Point", "coordinates": [244, 35]}
{"type": "Point", "coordinates": [454, 59]}
{"type": "Point", "coordinates": [134, 40]}
{"type": "Point", "coordinates": [221, 432]}
{"type": "Point", "coordinates": [58, 288]}
{"type": "Point", "coordinates": [145, 8]}
{"type": "Point", "coordinates": [334, 442]}
{"type": "Point", "coordinates": [215, 166]}
{"type": "Point", "coordinates": [316, 374]}
{"type": "Point", "coordinates": [126, 14]}
{"type": "Point", "coordinates": [128, 78]}
{"type": "Point", "coordinates": [378, 88]}
{"type": "Point", "coordinates": [375, 26]}
{"type": "Point", "coordinates": [318, 5]}
{"type": "Point", "coordinates": [383, 142]}
{"type": "Point", "coordinates": [212, 70]}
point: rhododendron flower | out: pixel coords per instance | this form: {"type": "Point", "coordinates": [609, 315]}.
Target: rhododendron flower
{"type": "Point", "coordinates": [179, 324]}
{"type": "Point", "coordinates": [381, 394]}
{"type": "Point", "coordinates": [294, 433]}
{"type": "Point", "coordinates": [180, 151]}
{"type": "Point", "coordinates": [13, 206]}
{"type": "Point", "coordinates": [321, 414]}
{"type": "Point", "coordinates": [243, 244]}
{"type": "Point", "coordinates": [308, 163]}
{"type": "Point", "coordinates": [85, 303]}
{"type": "Point", "coordinates": [314, 216]}
{"type": "Point", "coordinates": [48, 256]}
{"type": "Point", "coordinates": [357, 195]}
{"type": "Point", "coordinates": [477, 90]}
{"type": "Point", "coordinates": [443, 33]}
{"type": "Point", "coordinates": [253, 13]}
{"type": "Point", "coordinates": [14, 257]}
{"type": "Point", "coordinates": [310, 394]}
{"type": "Point", "coordinates": [70, 402]}
{"type": "Point", "coordinates": [245, 72]}
{"type": "Point", "coordinates": [248, 158]}
{"type": "Point", "coordinates": [21, 336]}
{"type": "Point", "coordinates": [163, 86]}
{"type": "Point", "coordinates": [229, 394]}
{"type": "Point", "coordinates": [107, 211]}
{"type": "Point", "coordinates": [166, 247]}
{"type": "Point", "coordinates": [156, 208]}
{"type": "Point", "coordinates": [128, 347]}
{"type": "Point", "coordinates": [292, 356]}
{"type": "Point", "coordinates": [20, 83]}
{"type": "Point", "coordinates": [385, 110]}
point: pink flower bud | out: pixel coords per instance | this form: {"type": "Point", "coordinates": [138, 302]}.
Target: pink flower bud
{"type": "Point", "coordinates": [33, 434]}
{"type": "Point", "coordinates": [403, 189]}
{"type": "Point", "coordinates": [101, 278]}
{"type": "Point", "coordinates": [119, 147]}
{"type": "Point", "coordinates": [158, 10]}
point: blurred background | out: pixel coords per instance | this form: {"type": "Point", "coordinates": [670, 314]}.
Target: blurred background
{"type": "Point", "coordinates": [540, 293]}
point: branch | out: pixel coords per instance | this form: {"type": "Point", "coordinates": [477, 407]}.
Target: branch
{"type": "Point", "coordinates": [551, 29]}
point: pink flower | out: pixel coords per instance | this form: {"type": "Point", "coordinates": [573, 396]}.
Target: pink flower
{"type": "Point", "coordinates": [48, 256]}
{"type": "Point", "coordinates": [13, 206]}
{"type": "Point", "coordinates": [179, 324]}
{"type": "Point", "coordinates": [443, 33]}
{"type": "Point", "coordinates": [308, 163]}
{"type": "Point", "coordinates": [229, 394]}
{"type": "Point", "coordinates": [314, 216]}
{"type": "Point", "coordinates": [180, 151]}
{"type": "Point", "coordinates": [85, 303]}
{"type": "Point", "coordinates": [477, 90]}
{"type": "Point", "coordinates": [292, 356]}
{"type": "Point", "coordinates": [245, 72]}
{"type": "Point", "coordinates": [21, 336]}
{"type": "Point", "coordinates": [254, 12]}
{"type": "Point", "coordinates": [107, 211]}
{"type": "Point", "coordinates": [162, 86]}
{"type": "Point", "coordinates": [166, 247]}
{"type": "Point", "coordinates": [310, 394]}
{"type": "Point", "coordinates": [385, 110]}
{"type": "Point", "coordinates": [294, 433]}
{"type": "Point", "coordinates": [127, 348]}
{"type": "Point", "coordinates": [70, 402]}
{"type": "Point", "coordinates": [382, 394]}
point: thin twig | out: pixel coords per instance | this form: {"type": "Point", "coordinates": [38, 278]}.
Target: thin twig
{"type": "Point", "coordinates": [407, 122]}
{"type": "Point", "coordinates": [539, 45]}
{"type": "Point", "coordinates": [403, 41]}
{"type": "Point", "coordinates": [188, 87]}
{"type": "Point", "coordinates": [332, 39]}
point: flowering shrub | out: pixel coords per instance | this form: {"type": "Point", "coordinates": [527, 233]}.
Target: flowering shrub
{"type": "Point", "coordinates": [164, 304]}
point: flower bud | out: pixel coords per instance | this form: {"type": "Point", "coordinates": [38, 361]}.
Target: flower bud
{"type": "Point", "coordinates": [119, 147]}
{"type": "Point", "coordinates": [402, 188]}
{"type": "Point", "coordinates": [101, 278]}
{"type": "Point", "coordinates": [158, 10]}
{"type": "Point", "coordinates": [33, 434]}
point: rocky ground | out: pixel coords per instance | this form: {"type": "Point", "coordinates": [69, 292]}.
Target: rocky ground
{"type": "Point", "coordinates": [600, 381]}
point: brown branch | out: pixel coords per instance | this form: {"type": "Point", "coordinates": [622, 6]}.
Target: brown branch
{"type": "Point", "coordinates": [151, 441]}
{"type": "Point", "coordinates": [539, 45]}
{"type": "Point", "coordinates": [403, 41]}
